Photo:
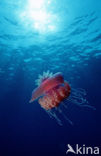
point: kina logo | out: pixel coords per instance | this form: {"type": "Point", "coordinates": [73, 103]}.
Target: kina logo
{"type": "Point", "coordinates": [82, 150]}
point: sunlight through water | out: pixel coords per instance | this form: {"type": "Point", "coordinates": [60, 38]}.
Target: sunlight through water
{"type": "Point", "coordinates": [37, 15]}
{"type": "Point", "coordinates": [55, 35]}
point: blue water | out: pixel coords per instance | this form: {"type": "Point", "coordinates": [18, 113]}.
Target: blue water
{"type": "Point", "coordinates": [68, 40]}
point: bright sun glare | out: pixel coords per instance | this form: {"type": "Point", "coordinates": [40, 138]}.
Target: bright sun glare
{"type": "Point", "coordinates": [37, 16]}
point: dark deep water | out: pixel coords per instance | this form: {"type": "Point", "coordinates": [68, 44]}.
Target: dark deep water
{"type": "Point", "coordinates": [65, 38]}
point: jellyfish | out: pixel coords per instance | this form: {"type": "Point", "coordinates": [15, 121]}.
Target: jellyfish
{"type": "Point", "coordinates": [52, 90]}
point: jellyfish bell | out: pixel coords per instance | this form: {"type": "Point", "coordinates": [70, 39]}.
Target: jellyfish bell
{"type": "Point", "coordinates": [52, 82]}
{"type": "Point", "coordinates": [52, 90]}
{"type": "Point", "coordinates": [46, 85]}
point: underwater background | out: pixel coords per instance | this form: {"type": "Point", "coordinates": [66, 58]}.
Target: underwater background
{"type": "Point", "coordinates": [59, 36]}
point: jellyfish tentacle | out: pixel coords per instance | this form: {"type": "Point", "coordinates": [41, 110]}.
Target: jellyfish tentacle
{"type": "Point", "coordinates": [52, 114]}
{"type": "Point", "coordinates": [78, 97]}
{"type": "Point", "coordinates": [85, 105]}
{"type": "Point", "coordinates": [64, 105]}
{"type": "Point", "coordinates": [76, 100]}
{"type": "Point", "coordinates": [60, 111]}
{"type": "Point", "coordinates": [67, 119]}
{"type": "Point", "coordinates": [79, 90]}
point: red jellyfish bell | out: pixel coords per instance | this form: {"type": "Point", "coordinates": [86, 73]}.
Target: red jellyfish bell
{"type": "Point", "coordinates": [52, 90]}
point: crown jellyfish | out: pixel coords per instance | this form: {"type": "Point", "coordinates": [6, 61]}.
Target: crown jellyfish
{"type": "Point", "coordinates": [52, 90]}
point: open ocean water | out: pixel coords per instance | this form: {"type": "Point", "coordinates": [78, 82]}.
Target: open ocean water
{"type": "Point", "coordinates": [59, 36]}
